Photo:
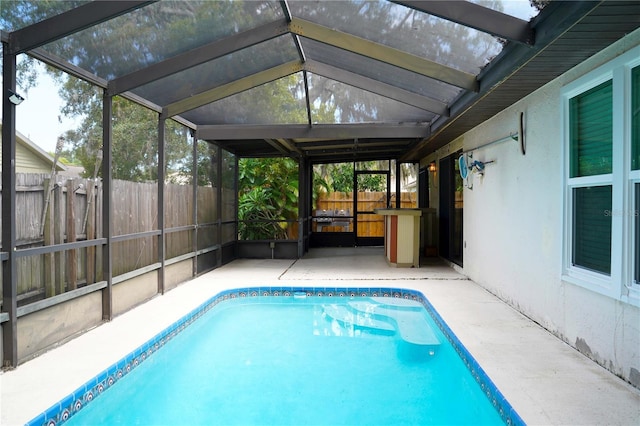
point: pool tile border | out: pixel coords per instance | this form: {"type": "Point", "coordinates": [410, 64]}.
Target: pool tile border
{"type": "Point", "coordinates": [60, 412]}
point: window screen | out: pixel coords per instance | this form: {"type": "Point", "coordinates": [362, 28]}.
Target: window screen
{"type": "Point", "coordinates": [592, 228]}
{"type": "Point", "coordinates": [591, 135]}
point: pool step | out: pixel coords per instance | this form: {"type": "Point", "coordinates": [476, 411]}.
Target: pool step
{"type": "Point", "coordinates": [347, 318]}
{"type": "Point", "coordinates": [410, 322]}
{"type": "Point", "coordinates": [398, 303]}
{"type": "Point", "coordinates": [390, 316]}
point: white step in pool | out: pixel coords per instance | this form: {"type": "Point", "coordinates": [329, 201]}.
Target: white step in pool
{"type": "Point", "coordinates": [348, 317]}
{"type": "Point", "coordinates": [403, 317]}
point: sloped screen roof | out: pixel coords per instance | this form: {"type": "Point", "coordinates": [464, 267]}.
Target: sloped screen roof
{"type": "Point", "coordinates": [248, 73]}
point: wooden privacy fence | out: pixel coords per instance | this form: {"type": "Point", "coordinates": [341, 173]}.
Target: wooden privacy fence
{"type": "Point", "coordinates": [72, 209]}
{"type": "Point", "coordinates": [369, 225]}
{"type": "Point", "coordinates": [54, 209]}
{"type": "Point", "coordinates": [60, 209]}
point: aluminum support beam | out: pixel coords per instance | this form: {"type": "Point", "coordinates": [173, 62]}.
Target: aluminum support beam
{"type": "Point", "coordinates": [302, 203]}
{"type": "Point", "coordinates": [278, 146]}
{"type": "Point", "coordinates": [82, 74]}
{"type": "Point", "coordinates": [286, 10]}
{"type": "Point", "coordinates": [339, 144]}
{"type": "Point", "coordinates": [70, 22]}
{"type": "Point", "coordinates": [107, 232]}
{"type": "Point", "coordinates": [328, 131]}
{"type": "Point", "coordinates": [219, 196]}
{"type": "Point", "coordinates": [9, 269]}
{"type": "Point", "coordinates": [307, 98]}
{"type": "Point", "coordinates": [194, 197]}
{"type": "Point", "coordinates": [232, 88]}
{"type": "Point", "coordinates": [285, 147]}
{"type": "Point", "coordinates": [319, 143]}
{"type": "Point", "coordinates": [291, 146]}
{"type": "Point", "coordinates": [348, 156]}
{"type": "Point", "coordinates": [398, 189]}
{"type": "Point", "coordinates": [161, 208]}
{"type": "Point", "coordinates": [478, 17]}
{"type": "Point", "coordinates": [296, 40]}
{"type": "Point", "coordinates": [383, 53]}
{"type": "Point", "coordinates": [63, 65]}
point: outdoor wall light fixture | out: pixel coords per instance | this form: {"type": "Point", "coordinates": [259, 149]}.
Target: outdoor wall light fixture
{"type": "Point", "coordinates": [14, 98]}
{"type": "Point", "coordinates": [432, 167]}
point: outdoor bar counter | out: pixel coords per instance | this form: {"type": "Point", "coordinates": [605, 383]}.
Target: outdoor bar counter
{"type": "Point", "coordinates": [401, 236]}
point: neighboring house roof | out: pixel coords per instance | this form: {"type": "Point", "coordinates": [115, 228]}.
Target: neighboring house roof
{"type": "Point", "coordinates": [74, 170]}
{"type": "Point", "coordinates": [30, 158]}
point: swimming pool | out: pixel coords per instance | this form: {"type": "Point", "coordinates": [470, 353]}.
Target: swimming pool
{"type": "Point", "coordinates": [332, 383]}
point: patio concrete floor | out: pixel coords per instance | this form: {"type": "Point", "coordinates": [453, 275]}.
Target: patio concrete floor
{"type": "Point", "coordinates": [544, 379]}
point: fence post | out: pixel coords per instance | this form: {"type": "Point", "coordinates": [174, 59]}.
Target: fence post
{"type": "Point", "coordinates": [58, 238]}
{"type": "Point", "coordinates": [72, 261]}
{"type": "Point", "coordinates": [90, 229]}
{"type": "Point", "coordinates": [49, 265]}
{"type": "Point", "coordinates": [97, 210]}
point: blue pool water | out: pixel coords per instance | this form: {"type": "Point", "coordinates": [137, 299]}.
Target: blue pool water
{"type": "Point", "coordinates": [299, 361]}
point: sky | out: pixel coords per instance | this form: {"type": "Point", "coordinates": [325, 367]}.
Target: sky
{"type": "Point", "coordinates": [37, 115]}
{"type": "Point", "coordinates": [520, 9]}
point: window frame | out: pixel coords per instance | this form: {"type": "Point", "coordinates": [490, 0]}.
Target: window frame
{"type": "Point", "coordinates": [621, 283]}
{"type": "Point", "coordinates": [633, 194]}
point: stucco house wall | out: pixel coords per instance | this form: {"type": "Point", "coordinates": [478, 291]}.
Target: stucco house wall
{"type": "Point", "coordinates": [513, 227]}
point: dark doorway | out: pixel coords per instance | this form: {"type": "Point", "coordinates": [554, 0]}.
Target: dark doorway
{"type": "Point", "coordinates": [343, 206]}
{"type": "Point", "coordinates": [333, 222]}
{"type": "Point", "coordinates": [423, 187]}
{"type": "Point", "coordinates": [451, 209]}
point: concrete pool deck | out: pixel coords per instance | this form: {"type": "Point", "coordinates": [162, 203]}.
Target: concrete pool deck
{"type": "Point", "coordinates": [544, 379]}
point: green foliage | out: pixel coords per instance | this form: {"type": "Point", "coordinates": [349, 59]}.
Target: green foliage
{"type": "Point", "coordinates": [341, 177]}
{"type": "Point", "coordinates": [267, 197]}
{"type": "Point", "coordinates": [338, 177]}
{"type": "Point", "coordinates": [372, 182]}
{"type": "Point", "coordinates": [256, 213]}
{"type": "Point", "coordinates": [206, 165]}
{"type": "Point", "coordinates": [135, 138]}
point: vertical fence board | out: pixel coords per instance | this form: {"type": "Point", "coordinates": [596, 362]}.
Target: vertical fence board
{"type": "Point", "coordinates": [72, 262]}
{"type": "Point", "coordinates": [90, 231]}
{"type": "Point", "coordinates": [58, 238]}
{"type": "Point", "coordinates": [49, 275]}
{"type": "Point", "coordinates": [98, 230]}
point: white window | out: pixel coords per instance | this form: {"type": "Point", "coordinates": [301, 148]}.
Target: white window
{"type": "Point", "coordinates": [601, 116]}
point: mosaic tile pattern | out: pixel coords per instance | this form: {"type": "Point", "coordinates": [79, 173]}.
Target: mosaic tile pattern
{"type": "Point", "coordinates": [67, 407]}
